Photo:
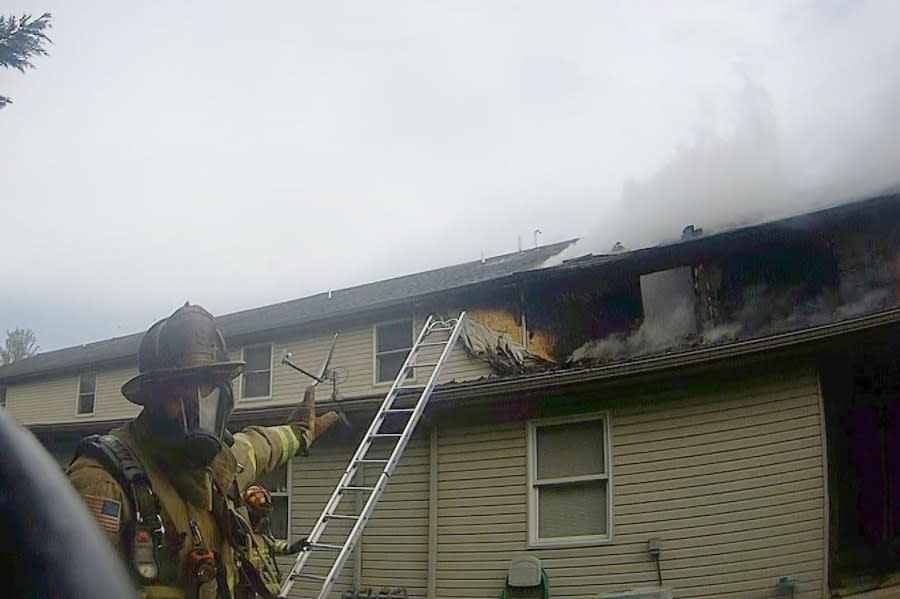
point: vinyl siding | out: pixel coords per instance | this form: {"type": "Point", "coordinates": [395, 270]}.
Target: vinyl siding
{"type": "Point", "coordinates": [54, 400]}
{"type": "Point", "coordinates": [314, 478]}
{"type": "Point", "coordinates": [394, 544]}
{"type": "Point", "coordinates": [731, 482]}
{"type": "Point", "coordinates": [354, 359]}
{"type": "Point", "coordinates": [460, 366]}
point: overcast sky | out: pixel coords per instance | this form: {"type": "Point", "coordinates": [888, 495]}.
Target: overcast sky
{"type": "Point", "coordinates": [236, 156]}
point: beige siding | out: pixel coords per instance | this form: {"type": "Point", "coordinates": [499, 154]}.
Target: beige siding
{"type": "Point", "coordinates": [44, 401]}
{"type": "Point", "coordinates": [110, 403]}
{"type": "Point", "coordinates": [54, 400]}
{"type": "Point", "coordinates": [313, 479]}
{"type": "Point", "coordinates": [395, 543]}
{"type": "Point", "coordinates": [481, 507]}
{"type": "Point", "coordinates": [731, 482]}
{"type": "Point", "coordinates": [460, 366]}
{"type": "Point", "coordinates": [394, 546]}
{"type": "Point", "coordinates": [354, 358]}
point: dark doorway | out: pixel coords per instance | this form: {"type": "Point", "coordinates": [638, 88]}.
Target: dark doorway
{"type": "Point", "coordinates": [861, 391]}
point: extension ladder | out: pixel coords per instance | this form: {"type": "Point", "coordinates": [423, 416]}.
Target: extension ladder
{"type": "Point", "coordinates": [432, 327]}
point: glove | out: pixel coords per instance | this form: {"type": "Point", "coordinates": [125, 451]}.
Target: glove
{"type": "Point", "coordinates": [297, 545]}
{"type": "Point", "coordinates": [304, 421]}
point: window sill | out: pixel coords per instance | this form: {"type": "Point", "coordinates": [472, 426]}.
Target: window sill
{"type": "Point", "coordinates": [86, 415]}
{"type": "Point", "coordinates": [255, 399]}
{"type": "Point", "coordinates": [570, 542]}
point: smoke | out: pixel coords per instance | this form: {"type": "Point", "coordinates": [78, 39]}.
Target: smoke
{"type": "Point", "coordinates": [747, 167]}
{"type": "Point", "coordinates": [763, 310]}
{"type": "Point", "coordinates": [653, 336]}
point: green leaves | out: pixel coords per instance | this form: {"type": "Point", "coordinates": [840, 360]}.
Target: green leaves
{"type": "Point", "coordinates": [21, 38]}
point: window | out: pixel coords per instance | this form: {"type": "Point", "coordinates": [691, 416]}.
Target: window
{"type": "Point", "coordinates": [393, 340]}
{"type": "Point", "coordinates": [2, 397]}
{"type": "Point", "coordinates": [87, 386]}
{"type": "Point", "coordinates": [278, 482]}
{"type": "Point", "coordinates": [569, 481]}
{"type": "Point", "coordinates": [257, 379]}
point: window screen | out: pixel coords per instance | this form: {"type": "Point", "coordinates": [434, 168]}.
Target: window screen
{"type": "Point", "coordinates": [258, 371]}
{"type": "Point", "coordinates": [392, 344]}
{"type": "Point", "coordinates": [86, 393]}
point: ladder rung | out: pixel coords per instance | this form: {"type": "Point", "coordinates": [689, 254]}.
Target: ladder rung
{"type": "Point", "coordinates": [403, 382]}
{"type": "Point", "coordinates": [296, 575]}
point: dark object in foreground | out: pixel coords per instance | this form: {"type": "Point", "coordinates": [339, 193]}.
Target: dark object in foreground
{"type": "Point", "coordinates": [50, 545]}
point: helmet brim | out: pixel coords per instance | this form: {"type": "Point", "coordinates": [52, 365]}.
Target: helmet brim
{"type": "Point", "coordinates": [133, 386]}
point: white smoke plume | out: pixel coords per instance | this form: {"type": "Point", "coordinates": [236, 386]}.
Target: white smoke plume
{"type": "Point", "coordinates": [752, 171]}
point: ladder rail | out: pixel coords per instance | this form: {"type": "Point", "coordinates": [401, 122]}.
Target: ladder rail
{"type": "Point", "coordinates": [388, 471]}
{"type": "Point", "coordinates": [350, 472]}
{"type": "Point", "coordinates": [346, 479]}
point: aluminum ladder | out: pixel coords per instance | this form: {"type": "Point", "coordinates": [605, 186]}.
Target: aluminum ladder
{"type": "Point", "coordinates": [345, 486]}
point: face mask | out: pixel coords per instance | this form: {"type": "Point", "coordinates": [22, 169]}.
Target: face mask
{"type": "Point", "coordinates": [192, 421]}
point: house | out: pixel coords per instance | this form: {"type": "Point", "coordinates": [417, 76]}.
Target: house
{"type": "Point", "coordinates": [717, 415]}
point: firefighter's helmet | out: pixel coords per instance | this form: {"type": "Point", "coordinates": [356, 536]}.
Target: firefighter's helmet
{"type": "Point", "coordinates": [185, 343]}
{"type": "Point", "coordinates": [258, 499]}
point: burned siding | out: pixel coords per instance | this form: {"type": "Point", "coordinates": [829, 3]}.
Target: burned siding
{"type": "Point", "coordinates": [564, 313]}
{"type": "Point", "coordinates": [750, 283]}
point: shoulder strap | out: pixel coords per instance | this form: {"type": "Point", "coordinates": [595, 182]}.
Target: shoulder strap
{"type": "Point", "coordinates": [145, 536]}
{"type": "Point", "coordinates": [115, 457]}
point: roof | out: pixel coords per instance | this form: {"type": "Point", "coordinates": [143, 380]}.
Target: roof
{"type": "Point", "coordinates": [776, 346]}
{"type": "Point", "coordinates": [882, 206]}
{"type": "Point", "coordinates": [304, 311]}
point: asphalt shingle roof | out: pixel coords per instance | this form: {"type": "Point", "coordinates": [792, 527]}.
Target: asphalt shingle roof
{"type": "Point", "coordinates": [302, 311]}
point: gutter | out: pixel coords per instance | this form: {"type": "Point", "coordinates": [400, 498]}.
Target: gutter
{"type": "Point", "coordinates": [492, 387]}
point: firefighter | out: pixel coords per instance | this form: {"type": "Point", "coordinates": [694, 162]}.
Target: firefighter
{"type": "Point", "coordinates": [166, 487]}
{"type": "Point", "coordinates": [259, 504]}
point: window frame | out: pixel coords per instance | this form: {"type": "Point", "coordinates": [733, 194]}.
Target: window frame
{"type": "Point", "coordinates": [240, 393]}
{"type": "Point", "coordinates": [78, 395]}
{"type": "Point", "coordinates": [289, 468]}
{"type": "Point", "coordinates": [376, 354]}
{"type": "Point", "coordinates": [534, 483]}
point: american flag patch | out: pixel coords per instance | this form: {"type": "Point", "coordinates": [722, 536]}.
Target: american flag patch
{"type": "Point", "coordinates": [105, 511]}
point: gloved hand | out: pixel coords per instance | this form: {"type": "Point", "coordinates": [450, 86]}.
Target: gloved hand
{"type": "Point", "coordinates": [297, 545]}
{"type": "Point", "coordinates": [304, 421]}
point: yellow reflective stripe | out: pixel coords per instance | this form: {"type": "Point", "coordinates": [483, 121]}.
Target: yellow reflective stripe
{"type": "Point", "coordinates": [251, 453]}
{"type": "Point", "coordinates": [291, 443]}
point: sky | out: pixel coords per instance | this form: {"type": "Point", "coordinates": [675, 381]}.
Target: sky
{"type": "Point", "coordinates": [167, 152]}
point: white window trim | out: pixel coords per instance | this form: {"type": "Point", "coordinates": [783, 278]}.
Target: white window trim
{"type": "Point", "coordinates": [78, 395]}
{"type": "Point", "coordinates": [240, 390]}
{"type": "Point", "coordinates": [289, 481]}
{"type": "Point", "coordinates": [581, 540]}
{"type": "Point", "coordinates": [375, 354]}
